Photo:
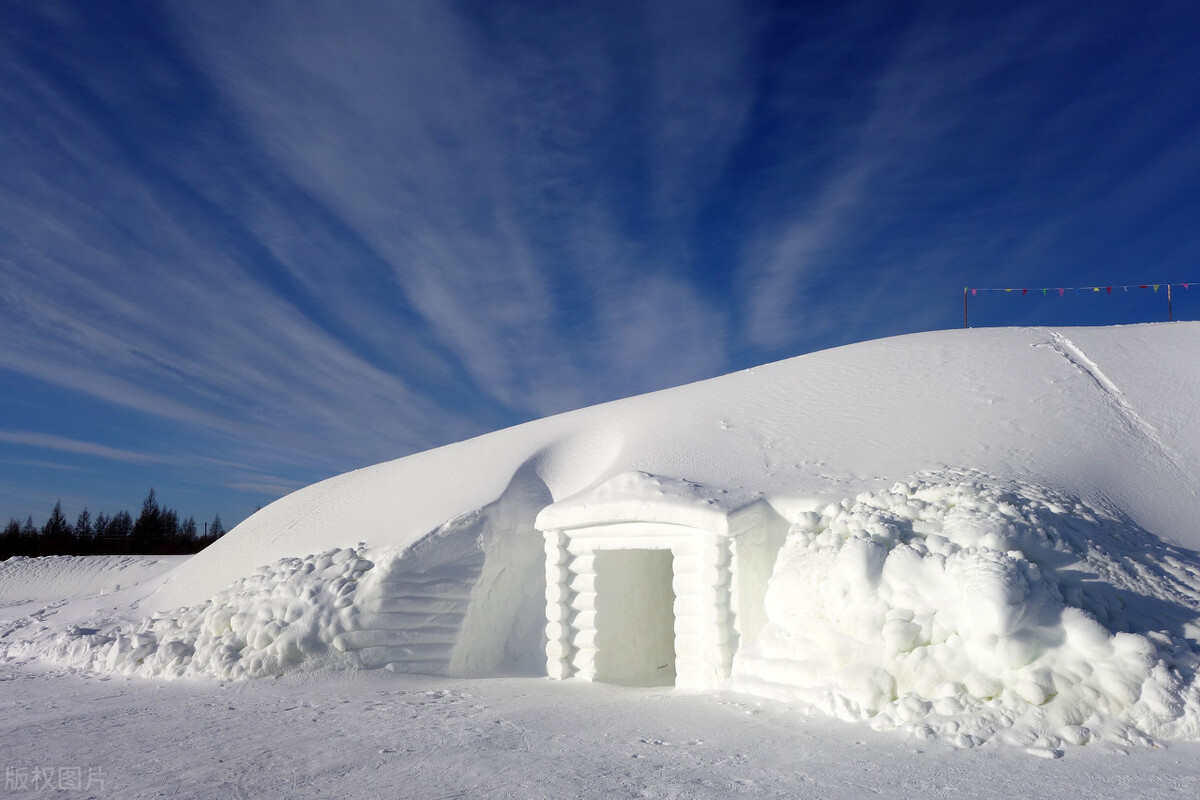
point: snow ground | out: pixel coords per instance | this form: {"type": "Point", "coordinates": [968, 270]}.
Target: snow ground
{"type": "Point", "coordinates": [374, 735]}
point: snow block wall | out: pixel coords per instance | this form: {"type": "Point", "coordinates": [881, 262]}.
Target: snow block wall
{"type": "Point", "coordinates": [642, 581]}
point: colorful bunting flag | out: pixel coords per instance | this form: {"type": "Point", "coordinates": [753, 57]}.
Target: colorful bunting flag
{"type": "Point", "coordinates": [1062, 290]}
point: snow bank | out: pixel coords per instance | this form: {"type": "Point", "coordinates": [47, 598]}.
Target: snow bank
{"type": "Point", "coordinates": [274, 620]}
{"type": "Point", "coordinates": [960, 605]}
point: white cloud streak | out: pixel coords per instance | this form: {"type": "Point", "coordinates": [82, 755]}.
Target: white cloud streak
{"type": "Point", "coordinates": [45, 441]}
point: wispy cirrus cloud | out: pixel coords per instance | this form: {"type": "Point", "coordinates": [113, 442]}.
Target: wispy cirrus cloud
{"type": "Point", "coordinates": [485, 166]}
{"type": "Point", "coordinates": [62, 444]}
{"type": "Point", "coordinates": [181, 286]}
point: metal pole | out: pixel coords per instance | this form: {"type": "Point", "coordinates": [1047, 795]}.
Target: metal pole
{"type": "Point", "coordinates": [1170, 313]}
{"type": "Point", "coordinates": [965, 325]}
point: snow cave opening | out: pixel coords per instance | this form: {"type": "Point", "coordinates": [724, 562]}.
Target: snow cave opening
{"type": "Point", "coordinates": [635, 617]}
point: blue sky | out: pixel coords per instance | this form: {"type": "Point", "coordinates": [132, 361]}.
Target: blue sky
{"type": "Point", "coordinates": [245, 246]}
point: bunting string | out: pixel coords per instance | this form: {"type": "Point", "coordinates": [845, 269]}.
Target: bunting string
{"type": "Point", "coordinates": [1062, 290]}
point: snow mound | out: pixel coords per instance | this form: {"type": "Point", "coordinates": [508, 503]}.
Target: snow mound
{"type": "Point", "coordinates": [279, 618]}
{"type": "Point", "coordinates": [962, 606]}
{"type": "Point", "coordinates": [1095, 412]}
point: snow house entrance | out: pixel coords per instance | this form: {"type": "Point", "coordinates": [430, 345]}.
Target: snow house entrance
{"type": "Point", "coordinates": [635, 616]}
{"type": "Point", "coordinates": [654, 581]}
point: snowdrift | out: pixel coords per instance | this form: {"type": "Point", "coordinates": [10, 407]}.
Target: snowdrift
{"type": "Point", "coordinates": [986, 533]}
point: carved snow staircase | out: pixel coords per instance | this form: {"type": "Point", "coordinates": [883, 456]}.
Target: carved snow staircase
{"type": "Point", "coordinates": [408, 614]}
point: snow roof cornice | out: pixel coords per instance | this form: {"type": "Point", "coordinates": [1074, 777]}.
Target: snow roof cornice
{"type": "Point", "coordinates": [642, 497]}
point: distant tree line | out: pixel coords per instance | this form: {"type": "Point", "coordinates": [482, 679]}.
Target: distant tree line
{"type": "Point", "coordinates": [156, 531]}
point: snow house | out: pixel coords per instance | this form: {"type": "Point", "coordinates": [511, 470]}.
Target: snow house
{"type": "Point", "coordinates": [655, 581]}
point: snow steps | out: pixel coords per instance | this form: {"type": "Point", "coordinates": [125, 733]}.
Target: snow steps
{"type": "Point", "coordinates": [362, 639]}
{"type": "Point", "coordinates": [415, 605]}
{"type": "Point", "coordinates": [409, 617]}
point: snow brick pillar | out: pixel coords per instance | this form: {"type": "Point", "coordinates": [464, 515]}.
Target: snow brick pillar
{"type": "Point", "coordinates": [640, 581]}
{"type": "Point", "coordinates": [702, 622]}
{"type": "Point", "coordinates": [558, 629]}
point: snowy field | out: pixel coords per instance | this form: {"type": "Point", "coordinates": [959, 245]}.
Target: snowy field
{"type": "Point", "coordinates": [381, 735]}
{"type": "Point", "coordinates": [949, 564]}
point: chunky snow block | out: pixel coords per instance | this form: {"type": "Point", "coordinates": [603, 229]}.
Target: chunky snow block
{"type": "Point", "coordinates": [654, 580]}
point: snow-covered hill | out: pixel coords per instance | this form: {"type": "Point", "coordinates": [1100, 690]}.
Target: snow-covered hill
{"type": "Point", "coordinates": [986, 531]}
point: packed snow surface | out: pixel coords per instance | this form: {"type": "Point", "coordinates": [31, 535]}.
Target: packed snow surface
{"type": "Point", "coordinates": [56, 578]}
{"type": "Point", "coordinates": [990, 537]}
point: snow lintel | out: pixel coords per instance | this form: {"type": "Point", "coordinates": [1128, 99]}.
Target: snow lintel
{"type": "Point", "coordinates": [642, 497]}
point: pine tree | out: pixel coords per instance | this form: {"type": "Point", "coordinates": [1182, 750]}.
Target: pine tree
{"type": "Point", "coordinates": [188, 533]}
{"type": "Point", "coordinates": [56, 533]}
{"type": "Point", "coordinates": [28, 541]}
{"type": "Point", "coordinates": [168, 541]}
{"type": "Point", "coordinates": [10, 540]}
{"type": "Point", "coordinates": [99, 530]}
{"type": "Point", "coordinates": [147, 531]}
{"type": "Point", "coordinates": [117, 533]}
{"type": "Point", "coordinates": [56, 525]}
{"type": "Point", "coordinates": [83, 525]}
{"type": "Point", "coordinates": [83, 543]}
{"type": "Point", "coordinates": [216, 530]}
